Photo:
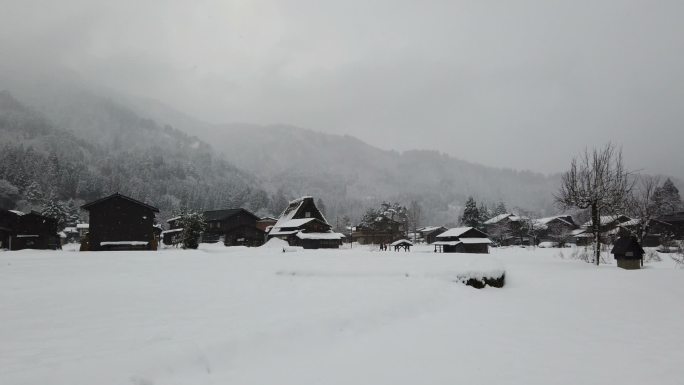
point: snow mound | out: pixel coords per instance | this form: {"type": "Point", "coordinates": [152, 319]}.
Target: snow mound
{"type": "Point", "coordinates": [279, 244]}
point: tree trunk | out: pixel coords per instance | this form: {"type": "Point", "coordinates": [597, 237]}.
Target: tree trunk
{"type": "Point", "coordinates": [596, 224]}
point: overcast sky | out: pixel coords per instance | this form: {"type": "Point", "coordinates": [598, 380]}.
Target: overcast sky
{"type": "Point", "coordinates": [514, 83]}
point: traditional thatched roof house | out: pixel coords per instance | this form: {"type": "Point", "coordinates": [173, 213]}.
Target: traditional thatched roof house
{"type": "Point", "coordinates": [118, 222]}
{"type": "Point", "coordinates": [463, 240]}
{"type": "Point", "coordinates": [236, 227]}
{"type": "Point", "coordinates": [19, 231]}
{"type": "Point", "coordinates": [302, 224]}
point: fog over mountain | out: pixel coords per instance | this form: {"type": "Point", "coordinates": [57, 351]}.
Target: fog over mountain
{"type": "Point", "coordinates": [503, 84]}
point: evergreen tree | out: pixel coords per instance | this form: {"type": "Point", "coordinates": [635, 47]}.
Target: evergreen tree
{"type": "Point", "coordinates": [667, 197]}
{"type": "Point", "coordinates": [471, 215]}
{"type": "Point", "coordinates": [484, 215]}
{"type": "Point", "coordinates": [500, 209]}
{"type": "Point", "coordinates": [193, 224]}
{"type": "Point", "coordinates": [53, 208]}
{"type": "Point", "coordinates": [33, 193]}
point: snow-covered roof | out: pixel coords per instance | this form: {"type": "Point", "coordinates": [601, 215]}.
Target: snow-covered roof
{"type": "Point", "coordinates": [429, 229]}
{"type": "Point", "coordinates": [631, 222]}
{"type": "Point", "coordinates": [20, 213]}
{"type": "Point", "coordinates": [171, 231]}
{"type": "Point", "coordinates": [302, 235]}
{"type": "Point", "coordinates": [456, 232]}
{"type": "Point", "coordinates": [606, 219]}
{"type": "Point", "coordinates": [401, 242]}
{"type": "Point", "coordinates": [173, 219]}
{"type": "Point", "coordinates": [280, 232]}
{"type": "Point", "coordinates": [70, 230]}
{"type": "Point", "coordinates": [475, 241]}
{"type": "Point", "coordinates": [291, 211]}
{"type": "Point", "coordinates": [446, 243]}
{"type": "Point", "coordinates": [82, 225]}
{"type": "Point", "coordinates": [295, 223]}
{"type": "Point", "coordinates": [128, 243]}
{"type": "Point", "coordinates": [497, 218]}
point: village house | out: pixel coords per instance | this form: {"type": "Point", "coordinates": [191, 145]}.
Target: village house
{"type": "Point", "coordinates": [118, 222]}
{"type": "Point", "coordinates": [236, 227]}
{"type": "Point", "coordinates": [266, 223]}
{"type": "Point", "coordinates": [610, 227]}
{"type": "Point", "coordinates": [556, 229]}
{"type": "Point", "coordinates": [463, 240]}
{"type": "Point", "coordinates": [429, 234]}
{"type": "Point", "coordinates": [508, 229]}
{"type": "Point", "coordinates": [383, 230]}
{"type": "Point", "coordinates": [677, 221]}
{"type": "Point", "coordinates": [20, 230]}
{"type": "Point", "coordinates": [302, 224]}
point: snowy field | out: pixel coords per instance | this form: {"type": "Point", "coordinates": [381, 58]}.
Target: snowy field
{"type": "Point", "coordinates": [260, 316]}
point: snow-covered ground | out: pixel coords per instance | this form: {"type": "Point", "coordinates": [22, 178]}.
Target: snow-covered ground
{"type": "Point", "coordinates": [261, 316]}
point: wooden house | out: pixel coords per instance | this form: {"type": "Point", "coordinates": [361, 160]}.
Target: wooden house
{"type": "Point", "coordinates": [429, 234]}
{"type": "Point", "coordinates": [266, 223]}
{"type": "Point", "coordinates": [118, 222]}
{"type": "Point", "coordinates": [557, 229]}
{"type": "Point", "coordinates": [463, 240]}
{"type": "Point", "coordinates": [676, 220]}
{"type": "Point", "coordinates": [302, 224]}
{"type": "Point", "coordinates": [27, 231]}
{"type": "Point", "coordinates": [628, 253]}
{"type": "Point", "coordinates": [237, 227]}
{"type": "Point", "coordinates": [508, 229]}
{"type": "Point", "coordinates": [383, 230]}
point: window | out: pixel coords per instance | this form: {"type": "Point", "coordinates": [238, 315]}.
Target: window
{"type": "Point", "coordinates": [307, 214]}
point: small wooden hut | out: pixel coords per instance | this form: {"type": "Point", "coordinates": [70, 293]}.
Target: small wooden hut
{"type": "Point", "coordinates": [628, 253]}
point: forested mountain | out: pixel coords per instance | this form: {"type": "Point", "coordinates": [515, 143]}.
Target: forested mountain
{"type": "Point", "coordinates": [87, 147]}
{"type": "Point", "coordinates": [351, 175]}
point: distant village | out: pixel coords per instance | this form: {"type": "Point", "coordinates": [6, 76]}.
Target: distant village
{"type": "Point", "coordinates": [119, 222]}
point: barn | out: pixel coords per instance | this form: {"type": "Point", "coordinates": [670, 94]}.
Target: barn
{"type": "Point", "coordinates": [237, 227]}
{"type": "Point", "coordinates": [118, 222]}
{"type": "Point", "coordinates": [463, 240]}
{"type": "Point", "coordinates": [32, 230]}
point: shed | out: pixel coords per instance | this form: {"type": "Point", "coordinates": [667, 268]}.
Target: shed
{"type": "Point", "coordinates": [628, 253]}
{"type": "Point", "coordinates": [402, 243]}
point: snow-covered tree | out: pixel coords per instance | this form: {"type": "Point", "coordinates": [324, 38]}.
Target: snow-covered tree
{"type": "Point", "coordinates": [53, 208]}
{"type": "Point", "coordinates": [485, 214]}
{"type": "Point", "coordinates": [667, 197]}
{"type": "Point", "coordinates": [471, 215]}
{"type": "Point", "coordinates": [499, 209]}
{"type": "Point", "coordinates": [599, 181]}
{"type": "Point", "coordinates": [193, 224]}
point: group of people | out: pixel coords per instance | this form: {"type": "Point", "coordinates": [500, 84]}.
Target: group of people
{"type": "Point", "coordinates": [384, 247]}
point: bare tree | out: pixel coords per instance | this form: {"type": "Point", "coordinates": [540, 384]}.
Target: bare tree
{"type": "Point", "coordinates": [643, 203]}
{"type": "Point", "coordinates": [414, 217]}
{"type": "Point", "coordinates": [599, 181]}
